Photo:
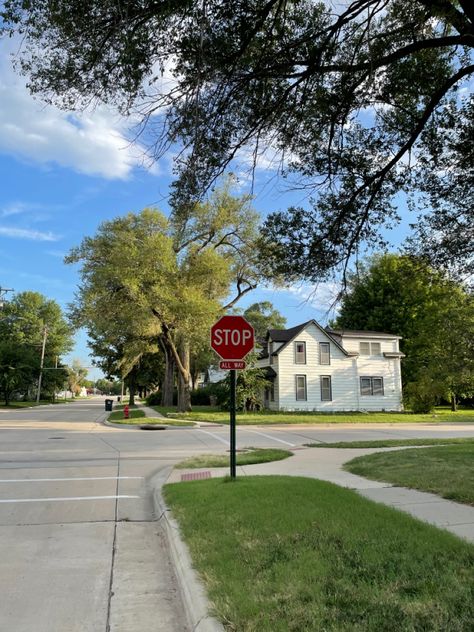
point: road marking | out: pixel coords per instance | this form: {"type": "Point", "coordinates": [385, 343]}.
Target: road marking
{"type": "Point", "coordinates": [86, 478]}
{"type": "Point", "coordinates": [216, 437]}
{"type": "Point", "coordinates": [270, 437]}
{"type": "Point", "coordinates": [44, 500]}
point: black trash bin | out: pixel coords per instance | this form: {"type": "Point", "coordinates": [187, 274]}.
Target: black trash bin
{"type": "Point", "coordinates": [108, 404]}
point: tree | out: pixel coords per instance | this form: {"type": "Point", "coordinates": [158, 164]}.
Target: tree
{"type": "Point", "coordinates": [357, 98]}
{"type": "Point", "coordinates": [76, 376]}
{"type": "Point", "coordinates": [148, 279]}
{"type": "Point", "coordinates": [23, 323]}
{"type": "Point", "coordinates": [17, 369]}
{"type": "Point", "coordinates": [263, 316]}
{"type": "Point", "coordinates": [434, 315]}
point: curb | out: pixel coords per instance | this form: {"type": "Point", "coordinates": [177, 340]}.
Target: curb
{"type": "Point", "coordinates": [195, 601]}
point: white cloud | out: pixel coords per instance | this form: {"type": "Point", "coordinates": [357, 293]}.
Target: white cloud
{"type": "Point", "coordinates": [15, 208]}
{"type": "Point", "coordinates": [93, 143]}
{"type": "Point", "coordinates": [25, 233]}
{"type": "Point", "coordinates": [323, 297]}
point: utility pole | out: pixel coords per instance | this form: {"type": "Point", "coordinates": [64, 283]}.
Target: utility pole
{"type": "Point", "coordinates": [3, 291]}
{"type": "Point", "coordinates": [38, 394]}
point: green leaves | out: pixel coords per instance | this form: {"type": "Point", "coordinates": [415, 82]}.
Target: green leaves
{"type": "Point", "coordinates": [434, 315]}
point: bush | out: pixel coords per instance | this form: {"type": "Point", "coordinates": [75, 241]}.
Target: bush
{"type": "Point", "coordinates": [201, 396]}
{"type": "Point", "coordinates": [154, 399]}
{"type": "Point", "coordinates": [422, 396]}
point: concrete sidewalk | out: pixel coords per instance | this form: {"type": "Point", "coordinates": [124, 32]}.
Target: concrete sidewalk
{"type": "Point", "coordinates": [326, 464]}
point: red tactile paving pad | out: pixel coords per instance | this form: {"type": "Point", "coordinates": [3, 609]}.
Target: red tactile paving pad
{"type": "Point", "coordinates": [195, 476]}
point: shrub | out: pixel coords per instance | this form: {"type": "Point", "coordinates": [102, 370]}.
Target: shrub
{"type": "Point", "coordinates": [422, 396]}
{"type": "Point", "coordinates": [154, 399]}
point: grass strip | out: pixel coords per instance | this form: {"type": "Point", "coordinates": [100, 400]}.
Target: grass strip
{"type": "Point", "coordinates": [389, 443]}
{"type": "Point", "coordinates": [446, 470]}
{"type": "Point", "coordinates": [254, 455]}
{"type": "Point", "coordinates": [43, 402]}
{"type": "Point", "coordinates": [160, 421]}
{"type": "Point", "coordinates": [134, 413]}
{"type": "Point", "coordinates": [202, 413]}
{"type": "Point", "coordinates": [289, 554]}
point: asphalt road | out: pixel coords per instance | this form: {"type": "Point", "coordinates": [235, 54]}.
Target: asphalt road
{"type": "Point", "coordinates": [81, 548]}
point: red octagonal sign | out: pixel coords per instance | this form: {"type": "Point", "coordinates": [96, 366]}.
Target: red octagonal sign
{"type": "Point", "coordinates": [232, 337]}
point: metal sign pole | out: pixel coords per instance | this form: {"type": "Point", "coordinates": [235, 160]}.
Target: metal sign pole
{"type": "Point", "coordinates": [233, 388]}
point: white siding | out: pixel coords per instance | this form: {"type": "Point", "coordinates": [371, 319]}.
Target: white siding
{"type": "Point", "coordinates": [343, 384]}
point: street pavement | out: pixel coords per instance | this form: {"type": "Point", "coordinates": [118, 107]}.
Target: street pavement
{"type": "Point", "coordinates": [81, 545]}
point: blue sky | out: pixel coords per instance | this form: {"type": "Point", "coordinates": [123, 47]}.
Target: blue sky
{"type": "Point", "coordinates": [63, 174]}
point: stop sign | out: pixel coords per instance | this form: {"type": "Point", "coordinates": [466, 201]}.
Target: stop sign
{"type": "Point", "coordinates": [232, 337]}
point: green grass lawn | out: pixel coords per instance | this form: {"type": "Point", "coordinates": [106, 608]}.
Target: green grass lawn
{"type": "Point", "coordinates": [206, 413]}
{"type": "Point", "coordinates": [159, 421]}
{"type": "Point", "coordinates": [43, 402]}
{"type": "Point", "coordinates": [446, 470]}
{"type": "Point", "coordinates": [254, 455]}
{"type": "Point", "coordinates": [390, 443]}
{"type": "Point", "coordinates": [118, 415]}
{"type": "Point", "coordinates": [289, 554]}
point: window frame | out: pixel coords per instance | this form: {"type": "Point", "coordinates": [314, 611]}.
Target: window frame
{"type": "Point", "coordinates": [371, 386]}
{"type": "Point", "coordinates": [305, 398]}
{"type": "Point", "coordinates": [370, 344]}
{"type": "Point", "coordinates": [328, 345]}
{"type": "Point", "coordinates": [296, 353]}
{"type": "Point", "coordinates": [379, 346]}
{"type": "Point", "coordinates": [364, 342]}
{"type": "Point", "coordinates": [321, 378]}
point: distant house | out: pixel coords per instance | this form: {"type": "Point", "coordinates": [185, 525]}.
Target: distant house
{"type": "Point", "coordinates": [316, 368]}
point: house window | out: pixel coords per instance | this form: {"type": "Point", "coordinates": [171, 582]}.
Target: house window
{"type": "Point", "coordinates": [375, 348]}
{"type": "Point", "coordinates": [371, 385]}
{"type": "Point", "coordinates": [272, 392]}
{"type": "Point", "coordinates": [324, 353]}
{"type": "Point", "coordinates": [270, 352]}
{"type": "Point", "coordinates": [370, 348]}
{"type": "Point", "coordinates": [300, 383]}
{"type": "Point", "coordinates": [300, 352]}
{"type": "Point", "coordinates": [326, 390]}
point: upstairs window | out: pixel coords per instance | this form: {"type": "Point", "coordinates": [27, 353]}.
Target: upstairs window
{"type": "Point", "coordinates": [370, 348]}
{"type": "Point", "coordinates": [270, 352]}
{"type": "Point", "coordinates": [371, 386]}
{"type": "Point", "coordinates": [300, 352]}
{"type": "Point", "coordinates": [324, 353]}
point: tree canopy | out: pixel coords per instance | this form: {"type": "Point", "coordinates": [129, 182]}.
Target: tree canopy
{"type": "Point", "coordinates": [263, 316]}
{"type": "Point", "coordinates": [150, 282]}
{"type": "Point", "coordinates": [361, 99]}
{"type": "Point", "coordinates": [25, 322]}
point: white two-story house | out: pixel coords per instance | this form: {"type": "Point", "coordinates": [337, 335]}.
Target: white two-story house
{"type": "Point", "coordinates": [321, 369]}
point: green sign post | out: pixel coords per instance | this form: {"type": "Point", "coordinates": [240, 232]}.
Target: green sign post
{"type": "Point", "coordinates": [232, 338]}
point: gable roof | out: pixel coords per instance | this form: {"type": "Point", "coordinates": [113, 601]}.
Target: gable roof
{"type": "Point", "coordinates": [359, 333]}
{"type": "Point", "coordinates": [287, 335]}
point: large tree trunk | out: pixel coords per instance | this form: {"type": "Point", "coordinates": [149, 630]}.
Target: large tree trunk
{"type": "Point", "coordinates": [184, 388]}
{"type": "Point", "coordinates": [168, 381]}
{"type": "Point", "coordinates": [131, 389]}
{"type": "Point", "coordinates": [454, 402]}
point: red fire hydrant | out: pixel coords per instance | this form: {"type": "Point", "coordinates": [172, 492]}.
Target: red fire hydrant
{"type": "Point", "coordinates": [126, 412]}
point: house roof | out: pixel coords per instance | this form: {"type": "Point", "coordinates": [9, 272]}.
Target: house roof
{"type": "Point", "coordinates": [359, 333]}
{"type": "Point", "coordinates": [287, 335]}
